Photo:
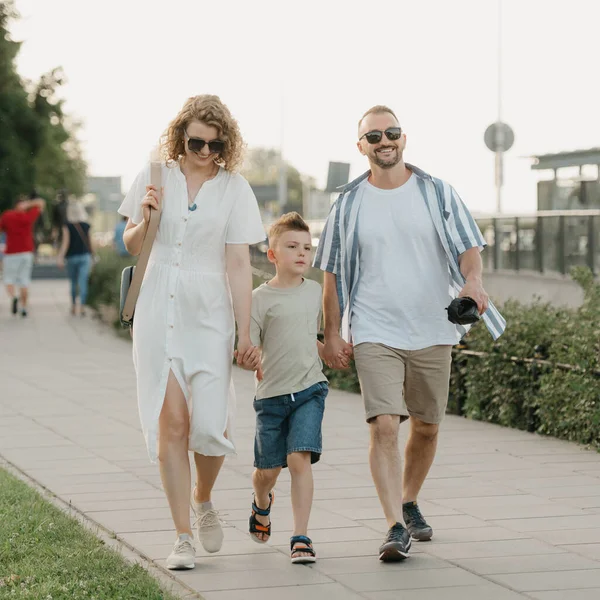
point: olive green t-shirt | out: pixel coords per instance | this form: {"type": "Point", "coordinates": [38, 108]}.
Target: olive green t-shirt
{"type": "Point", "coordinates": [285, 322]}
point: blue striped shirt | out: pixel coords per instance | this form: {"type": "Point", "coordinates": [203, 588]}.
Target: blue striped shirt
{"type": "Point", "coordinates": [338, 250]}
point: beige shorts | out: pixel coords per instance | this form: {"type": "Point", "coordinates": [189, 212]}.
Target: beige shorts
{"type": "Point", "coordinates": [404, 382]}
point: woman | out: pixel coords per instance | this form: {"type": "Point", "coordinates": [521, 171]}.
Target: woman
{"type": "Point", "coordinates": [198, 278]}
{"type": "Point", "coordinates": [76, 247]}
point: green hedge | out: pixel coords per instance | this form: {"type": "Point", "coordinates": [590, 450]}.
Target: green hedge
{"type": "Point", "coordinates": [546, 398]}
{"type": "Point", "coordinates": [105, 280]}
{"type": "Point", "coordinates": [533, 396]}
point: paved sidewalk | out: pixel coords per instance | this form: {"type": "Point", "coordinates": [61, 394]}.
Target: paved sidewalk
{"type": "Point", "coordinates": [515, 515]}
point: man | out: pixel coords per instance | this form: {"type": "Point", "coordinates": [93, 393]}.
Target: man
{"type": "Point", "coordinates": [398, 245]}
{"type": "Point", "coordinates": [18, 224]}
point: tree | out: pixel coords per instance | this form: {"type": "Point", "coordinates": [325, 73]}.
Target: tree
{"type": "Point", "coordinates": [38, 147]}
{"type": "Point", "coordinates": [261, 168]}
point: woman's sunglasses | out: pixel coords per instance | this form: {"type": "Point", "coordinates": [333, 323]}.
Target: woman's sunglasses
{"type": "Point", "coordinates": [196, 144]}
{"type": "Point", "coordinates": [374, 137]}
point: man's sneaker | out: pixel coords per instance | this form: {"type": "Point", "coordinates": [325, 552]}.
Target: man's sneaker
{"type": "Point", "coordinates": [15, 306]}
{"type": "Point", "coordinates": [210, 532]}
{"type": "Point", "coordinates": [415, 523]}
{"type": "Point", "coordinates": [397, 544]}
{"type": "Point", "coordinates": [183, 555]}
{"type": "Point", "coordinates": [23, 313]}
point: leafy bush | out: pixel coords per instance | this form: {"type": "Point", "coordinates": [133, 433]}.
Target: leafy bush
{"type": "Point", "coordinates": [105, 280]}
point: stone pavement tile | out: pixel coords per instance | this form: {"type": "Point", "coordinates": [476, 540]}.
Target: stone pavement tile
{"type": "Point", "coordinates": [283, 516]}
{"type": "Point", "coordinates": [550, 524]}
{"type": "Point", "coordinates": [122, 527]}
{"type": "Point", "coordinates": [280, 537]}
{"type": "Point", "coordinates": [569, 536]}
{"type": "Point", "coordinates": [535, 472]}
{"type": "Point", "coordinates": [33, 440]}
{"type": "Point", "coordinates": [487, 591]}
{"type": "Point", "coordinates": [292, 576]}
{"type": "Point", "coordinates": [491, 549]}
{"type": "Point", "coordinates": [264, 561]}
{"type": "Point", "coordinates": [358, 564]}
{"type": "Point", "coordinates": [491, 513]}
{"type": "Point", "coordinates": [546, 581]}
{"type": "Point", "coordinates": [512, 500]}
{"type": "Point", "coordinates": [589, 594]}
{"type": "Point", "coordinates": [66, 488]}
{"type": "Point", "coordinates": [470, 488]}
{"type": "Point", "coordinates": [475, 534]}
{"type": "Point", "coordinates": [589, 550]}
{"type": "Point", "coordinates": [138, 503]}
{"type": "Point", "coordinates": [586, 502]}
{"type": "Point", "coordinates": [134, 449]}
{"type": "Point", "coordinates": [84, 465]}
{"type": "Point", "coordinates": [497, 466]}
{"type": "Point", "coordinates": [366, 548]}
{"type": "Point", "coordinates": [106, 440]}
{"type": "Point", "coordinates": [404, 578]}
{"type": "Point", "coordinates": [328, 591]}
{"type": "Point", "coordinates": [145, 492]}
{"type": "Point", "coordinates": [365, 508]}
{"type": "Point", "coordinates": [438, 523]}
{"type": "Point", "coordinates": [533, 484]}
{"type": "Point", "coordinates": [576, 459]}
{"type": "Point", "coordinates": [29, 458]}
{"type": "Point", "coordinates": [334, 494]}
{"type": "Point", "coordinates": [527, 564]}
{"type": "Point", "coordinates": [569, 492]}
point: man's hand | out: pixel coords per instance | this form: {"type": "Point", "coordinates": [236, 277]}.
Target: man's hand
{"type": "Point", "coordinates": [336, 352]}
{"type": "Point", "coordinates": [474, 289]}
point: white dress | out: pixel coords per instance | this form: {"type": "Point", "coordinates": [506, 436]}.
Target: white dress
{"type": "Point", "coordinates": [184, 316]}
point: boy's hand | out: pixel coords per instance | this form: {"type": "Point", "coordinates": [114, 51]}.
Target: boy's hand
{"type": "Point", "coordinates": [337, 352]}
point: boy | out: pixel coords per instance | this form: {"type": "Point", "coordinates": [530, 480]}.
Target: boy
{"type": "Point", "coordinates": [291, 388]}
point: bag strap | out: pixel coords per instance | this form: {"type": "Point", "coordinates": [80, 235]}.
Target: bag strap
{"type": "Point", "coordinates": [150, 235]}
{"type": "Point", "coordinates": [84, 238]}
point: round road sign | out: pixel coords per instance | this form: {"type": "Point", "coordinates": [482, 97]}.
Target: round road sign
{"type": "Point", "coordinates": [499, 137]}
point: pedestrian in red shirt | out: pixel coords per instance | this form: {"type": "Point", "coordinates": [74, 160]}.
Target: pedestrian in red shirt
{"type": "Point", "coordinates": [18, 224]}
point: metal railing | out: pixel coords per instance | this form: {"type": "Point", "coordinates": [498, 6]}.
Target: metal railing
{"type": "Point", "coordinates": [546, 241]}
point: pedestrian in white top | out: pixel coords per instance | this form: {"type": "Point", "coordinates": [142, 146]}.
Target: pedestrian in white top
{"type": "Point", "coordinates": [397, 247]}
{"type": "Point", "coordinates": [197, 285]}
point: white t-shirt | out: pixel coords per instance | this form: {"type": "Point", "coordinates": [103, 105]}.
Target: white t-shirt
{"type": "Point", "coordinates": [404, 283]}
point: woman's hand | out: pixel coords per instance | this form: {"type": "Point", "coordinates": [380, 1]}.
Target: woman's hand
{"type": "Point", "coordinates": [150, 201]}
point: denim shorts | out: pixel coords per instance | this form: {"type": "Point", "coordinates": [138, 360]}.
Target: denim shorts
{"type": "Point", "coordinates": [289, 423]}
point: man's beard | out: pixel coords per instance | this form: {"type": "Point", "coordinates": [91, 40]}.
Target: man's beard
{"type": "Point", "coordinates": [387, 164]}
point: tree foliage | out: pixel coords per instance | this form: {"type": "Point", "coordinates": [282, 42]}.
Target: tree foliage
{"type": "Point", "coordinates": [38, 147]}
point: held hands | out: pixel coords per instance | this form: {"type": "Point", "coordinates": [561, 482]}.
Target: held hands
{"type": "Point", "coordinates": [150, 201]}
{"type": "Point", "coordinates": [474, 289]}
{"type": "Point", "coordinates": [336, 353]}
{"type": "Point", "coordinates": [248, 357]}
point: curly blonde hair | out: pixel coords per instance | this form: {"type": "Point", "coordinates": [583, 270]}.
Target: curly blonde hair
{"type": "Point", "coordinates": [211, 111]}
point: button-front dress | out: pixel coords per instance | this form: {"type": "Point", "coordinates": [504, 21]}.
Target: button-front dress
{"type": "Point", "coordinates": [184, 319]}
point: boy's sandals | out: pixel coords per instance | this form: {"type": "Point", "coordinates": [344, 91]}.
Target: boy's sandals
{"type": "Point", "coordinates": [258, 527]}
{"type": "Point", "coordinates": [306, 548]}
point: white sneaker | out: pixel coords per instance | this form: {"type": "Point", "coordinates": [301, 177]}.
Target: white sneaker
{"type": "Point", "coordinates": [183, 555]}
{"type": "Point", "coordinates": [210, 531]}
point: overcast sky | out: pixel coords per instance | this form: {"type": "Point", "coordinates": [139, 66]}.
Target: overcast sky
{"type": "Point", "coordinates": [314, 67]}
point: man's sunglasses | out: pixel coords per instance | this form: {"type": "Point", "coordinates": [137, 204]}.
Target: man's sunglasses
{"type": "Point", "coordinates": [374, 137]}
{"type": "Point", "coordinates": [196, 144]}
